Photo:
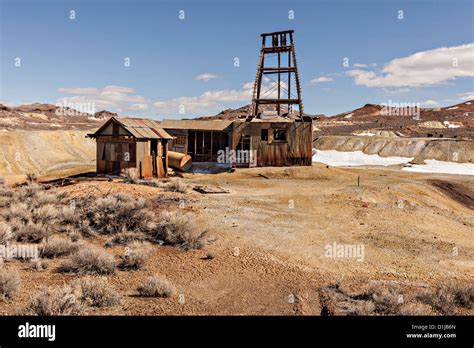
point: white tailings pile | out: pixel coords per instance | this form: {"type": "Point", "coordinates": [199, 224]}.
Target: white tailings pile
{"type": "Point", "coordinates": [355, 158]}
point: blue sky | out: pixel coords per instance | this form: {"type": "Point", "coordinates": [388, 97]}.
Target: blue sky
{"type": "Point", "coordinates": [82, 60]}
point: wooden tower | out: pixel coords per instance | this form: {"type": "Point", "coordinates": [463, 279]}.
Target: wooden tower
{"type": "Point", "coordinates": [286, 71]}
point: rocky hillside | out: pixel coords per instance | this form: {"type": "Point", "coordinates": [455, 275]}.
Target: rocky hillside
{"type": "Point", "coordinates": [49, 117]}
{"type": "Point", "coordinates": [456, 121]}
{"type": "Point", "coordinates": [450, 150]}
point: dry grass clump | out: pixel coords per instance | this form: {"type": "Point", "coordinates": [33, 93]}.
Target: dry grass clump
{"type": "Point", "coordinates": [131, 175]}
{"type": "Point", "coordinates": [117, 212]}
{"type": "Point", "coordinates": [126, 237]}
{"type": "Point", "coordinates": [31, 178]}
{"type": "Point", "coordinates": [58, 246]}
{"type": "Point", "coordinates": [135, 255]}
{"type": "Point", "coordinates": [32, 232]}
{"type": "Point", "coordinates": [19, 211]}
{"type": "Point", "coordinates": [64, 300]}
{"type": "Point", "coordinates": [9, 283]}
{"type": "Point", "coordinates": [89, 261]}
{"type": "Point", "coordinates": [386, 297]}
{"type": "Point", "coordinates": [38, 265]}
{"type": "Point", "coordinates": [45, 214]}
{"type": "Point", "coordinates": [180, 230]}
{"type": "Point", "coordinates": [415, 308]}
{"type": "Point", "coordinates": [445, 298]}
{"type": "Point", "coordinates": [72, 299]}
{"type": "Point", "coordinates": [5, 233]}
{"type": "Point", "coordinates": [97, 292]}
{"type": "Point", "coordinates": [68, 215]}
{"type": "Point", "coordinates": [44, 198]}
{"type": "Point", "coordinates": [156, 286]}
{"type": "Point", "coordinates": [177, 185]}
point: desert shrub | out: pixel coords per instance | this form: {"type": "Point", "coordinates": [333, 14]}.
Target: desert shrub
{"type": "Point", "coordinates": [135, 255]}
{"type": "Point", "coordinates": [440, 299]}
{"type": "Point", "coordinates": [32, 232]}
{"type": "Point", "coordinates": [31, 178]}
{"type": "Point", "coordinates": [74, 235]}
{"type": "Point", "coordinates": [58, 246]}
{"type": "Point", "coordinates": [386, 297]}
{"type": "Point", "coordinates": [150, 182]}
{"type": "Point", "coordinates": [177, 185]}
{"type": "Point", "coordinates": [180, 230]}
{"type": "Point", "coordinates": [126, 237]}
{"type": "Point", "coordinates": [38, 265]}
{"type": "Point", "coordinates": [5, 201]}
{"type": "Point", "coordinates": [9, 283]}
{"type": "Point", "coordinates": [45, 213]}
{"type": "Point", "coordinates": [131, 175]}
{"type": "Point", "coordinates": [444, 298]}
{"type": "Point", "coordinates": [65, 300]}
{"type": "Point", "coordinates": [18, 210]}
{"type": "Point", "coordinates": [43, 198]}
{"type": "Point", "coordinates": [68, 214]}
{"type": "Point", "coordinates": [115, 213]}
{"type": "Point", "coordinates": [156, 286]}
{"type": "Point", "coordinates": [96, 292]}
{"type": "Point", "coordinates": [463, 295]}
{"type": "Point", "coordinates": [27, 192]}
{"type": "Point", "coordinates": [415, 308]}
{"type": "Point", "coordinates": [364, 308]}
{"type": "Point", "coordinates": [5, 233]}
{"type": "Point", "coordinates": [89, 261]}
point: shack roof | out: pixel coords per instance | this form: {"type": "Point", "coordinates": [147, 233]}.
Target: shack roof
{"type": "Point", "coordinates": [210, 125]}
{"type": "Point", "coordinates": [140, 128]}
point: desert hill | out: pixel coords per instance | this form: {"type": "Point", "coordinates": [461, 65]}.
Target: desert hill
{"type": "Point", "coordinates": [49, 117]}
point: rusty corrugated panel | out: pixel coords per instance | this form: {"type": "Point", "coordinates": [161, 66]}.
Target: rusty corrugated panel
{"type": "Point", "coordinates": [162, 133]}
{"type": "Point", "coordinates": [143, 128]}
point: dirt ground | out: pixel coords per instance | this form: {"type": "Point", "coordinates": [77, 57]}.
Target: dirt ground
{"type": "Point", "coordinates": [271, 232]}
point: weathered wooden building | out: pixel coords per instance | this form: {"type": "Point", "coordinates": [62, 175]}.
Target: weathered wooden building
{"type": "Point", "coordinates": [132, 143]}
{"type": "Point", "coordinates": [268, 142]}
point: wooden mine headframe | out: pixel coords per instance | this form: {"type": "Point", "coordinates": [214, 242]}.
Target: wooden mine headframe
{"type": "Point", "coordinates": [281, 45]}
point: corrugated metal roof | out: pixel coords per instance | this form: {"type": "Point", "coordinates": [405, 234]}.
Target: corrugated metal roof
{"type": "Point", "coordinates": [141, 128]}
{"type": "Point", "coordinates": [215, 125]}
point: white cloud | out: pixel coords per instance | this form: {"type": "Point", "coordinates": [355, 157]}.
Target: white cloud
{"type": "Point", "coordinates": [321, 79]}
{"type": "Point", "coordinates": [429, 102]}
{"type": "Point", "coordinates": [206, 77]}
{"type": "Point", "coordinates": [112, 98]}
{"type": "Point", "coordinates": [466, 96]}
{"type": "Point", "coordinates": [426, 68]}
{"type": "Point", "coordinates": [358, 65]}
{"type": "Point", "coordinates": [138, 106]}
{"type": "Point", "coordinates": [206, 102]}
{"type": "Point", "coordinates": [78, 90]}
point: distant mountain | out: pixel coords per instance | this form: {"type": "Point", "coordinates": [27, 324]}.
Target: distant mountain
{"type": "Point", "coordinates": [242, 112]}
{"type": "Point", "coordinates": [455, 121]}
{"type": "Point", "coordinates": [49, 117]}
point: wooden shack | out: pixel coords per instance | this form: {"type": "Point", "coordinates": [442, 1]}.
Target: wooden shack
{"type": "Point", "coordinates": [278, 141]}
{"type": "Point", "coordinates": [132, 143]}
{"type": "Point", "coordinates": [202, 139]}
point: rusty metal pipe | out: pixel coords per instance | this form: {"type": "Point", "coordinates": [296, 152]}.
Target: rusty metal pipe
{"type": "Point", "coordinates": [180, 161]}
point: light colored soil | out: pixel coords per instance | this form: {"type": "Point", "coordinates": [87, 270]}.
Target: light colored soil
{"type": "Point", "coordinates": [268, 253]}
